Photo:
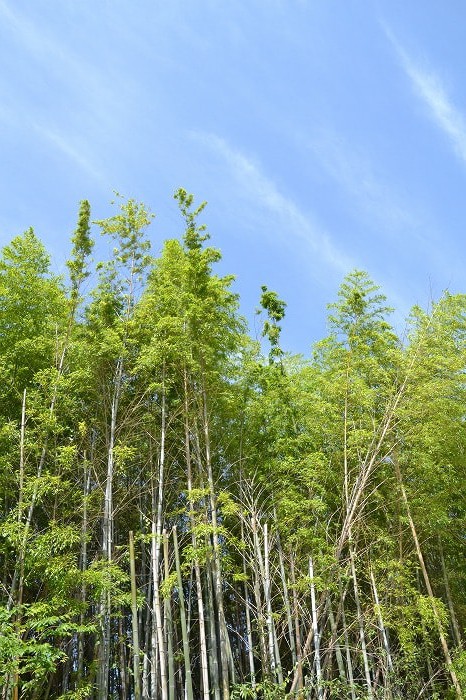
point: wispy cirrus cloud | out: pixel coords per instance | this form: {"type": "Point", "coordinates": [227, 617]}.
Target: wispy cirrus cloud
{"type": "Point", "coordinates": [431, 89]}
{"type": "Point", "coordinates": [75, 154]}
{"type": "Point", "coordinates": [369, 192]}
{"type": "Point", "coordinates": [81, 105]}
{"type": "Point", "coordinates": [40, 43]}
{"type": "Point", "coordinates": [264, 193]}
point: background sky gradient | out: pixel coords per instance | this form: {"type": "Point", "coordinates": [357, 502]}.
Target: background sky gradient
{"type": "Point", "coordinates": [324, 134]}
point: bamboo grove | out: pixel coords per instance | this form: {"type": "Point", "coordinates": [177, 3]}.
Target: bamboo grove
{"type": "Point", "coordinates": [183, 517]}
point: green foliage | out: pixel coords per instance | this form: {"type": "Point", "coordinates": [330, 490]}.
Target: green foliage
{"type": "Point", "coordinates": [194, 235]}
{"type": "Point", "coordinates": [271, 330]}
{"type": "Point", "coordinates": [82, 248]}
{"type": "Point", "coordinates": [459, 666]}
{"type": "Point", "coordinates": [81, 693]}
{"type": "Point", "coordinates": [26, 647]}
{"type": "Point", "coordinates": [32, 313]}
{"type": "Point", "coordinates": [168, 584]}
{"type": "Point", "coordinates": [128, 229]}
{"type": "Point", "coordinates": [107, 577]}
{"type": "Point", "coordinates": [265, 690]}
{"type": "Point", "coordinates": [160, 358]}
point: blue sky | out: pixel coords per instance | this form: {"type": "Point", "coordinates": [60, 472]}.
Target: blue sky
{"type": "Point", "coordinates": [324, 134]}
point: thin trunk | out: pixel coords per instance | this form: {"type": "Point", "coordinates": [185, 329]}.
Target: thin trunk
{"type": "Point", "coordinates": [107, 526]}
{"type": "Point", "coordinates": [286, 601]}
{"type": "Point", "coordinates": [86, 487]}
{"type": "Point", "coordinates": [349, 663]}
{"type": "Point", "coordinates": [213, 656]}
{"type": "Point", "coordinates": [275, 664]}
{"type": "Point", "coordinates": [184, 631]}
{"type": "Point", "coordinates": [425, 637]}
{"type": "Point", "coordinates": [154, 661]}
{"type": "Point", "coordinates": [158, 642]}
{"type": "Point", "coordinates": [147, 638]}
{"type": "Point", "coordinates": [252, 672]}
{"type": "Point", "coordinates": [154, 654]}
{"type": "Point", "coordinates": [107, 538]}
{"type": "Point", "coordinates": [362, 635]}
{"type": "Point", "coordinates": [123, 663]}
{"type": "Point", "coordinates": [153, 658]}
{"type": "Point", "coordinates": [65, 679]}
{"type": "Point", "coordinates": [197, 569]}
{"type": "Point", "coordinates": [299, 663]}
{"type": "Point", "coordinates": [268, 604]}
{"type": "Point", "coordinates": [315, 628]}
{"type": "Point", "coordinates": [383, 631]}
{"type": "Point", "coordinates": [258, 568]}
{"type": "Point", "coordinates": [145, 675]}
{"type": "Point", "coordinates": [342, 596]}
{"type": "Point", "coordinates": [20, 515]}
{"type": "Point", "coordinates": [188, 600]}
{"type": "Point", "coordinates": [336, 636]}
{"type": "Point", "coordinates": [202, 633]}
{"type": "Point", "coordinates": [21, 458]}
{"type": "Point", "coordinates": [134, 621]}
{"type": "Point", "coordinates": [156, 551]}
{"type": "Point", "coordinates": [225, 649]}
{"type": "Point", "coordinates": [443, 641]}
{"type": "Point", "coordinates": [108, 515]}
{"type": "Point", "coordinates": [373, 455]}
{"type": "Point", "coordinates": [454, 621]}
{"type": "Point", "coordinates": [335, 642]}
{"type": "Point", "coordinates": [168, 623]}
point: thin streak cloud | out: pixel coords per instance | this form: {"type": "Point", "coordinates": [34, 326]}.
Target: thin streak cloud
{"type": "Point", "coordinates": [74, 154]}
{"type": "Point", "coordinates": [261, 190]}
{"type": "Point", "coordinates": [76, 76]}
{"type": "Point", "coordinates": [430, 88]}
{"type": "Point", "coordinates": [369, 194]}
{"type": "Point", "coordinates": [36, 41]}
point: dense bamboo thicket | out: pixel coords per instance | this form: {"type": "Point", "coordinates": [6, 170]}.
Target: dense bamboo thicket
{"type": "Point", "coordinates": [182, 517]}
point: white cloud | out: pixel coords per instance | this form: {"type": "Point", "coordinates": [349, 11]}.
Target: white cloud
{"type": "Point", "coordinates": [35, 40]}
{"type": "Point", "coordinates": [84, 104]}
{"type": "Point", "coordinates": [384, 208]}
{"type": "Point", "coordinates": [95, 92]}
{"type": "Point", "coordinates": [431, 89]}
{"type": "Point", "coordinates": [264, 193]}
{"type": "Point", "coordinates": [76, 155]}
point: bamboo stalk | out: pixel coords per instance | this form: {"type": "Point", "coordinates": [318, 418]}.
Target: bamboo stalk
{"type": "Point", "coordinates": [169, 624]}
{"type": "Point", "coordinates": [134, 620]}
{"type": "Point", "coordinates": [286, 601]}
{"type": "Point", "coordinates": [252, 671]}
{"type": "Point", "coordinates": [443, 641]}
{"type": "Point", "coordinates": [184, 631]}
{"type": "Point", "coordinates": [225, 649]}
{"type": "Point", "coordinates": [360, 618]}
{"type": "Point", "coordinates": [258, 569]}
{"type": "Point", "coordinates": [197, 569]}
{"type": "Point", "coordinates": [381, 623]}
{"type": "Point", "coordinates": [315, 628]}
{"type": "Point", "coordinates": [349, 663]}
{"type": "Point", "coordinates": [268, 602]}
{"type": "Point", "coordinates": [335, 643]}
{"type": "Point", "coordinates": [454, 621]}
{"type": "Point", "coordinates": [124, 681]}
{"type": "Point", "coordinates": [156, 550]}
{"type": "Point", "coordinates": [299, 665]}
{"type": "Point", "coordinates": [213, 655]}
{"type": "Point", "coordinates": [273, 642]}
{"type": "Point", "coordinates": [86, 488]}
